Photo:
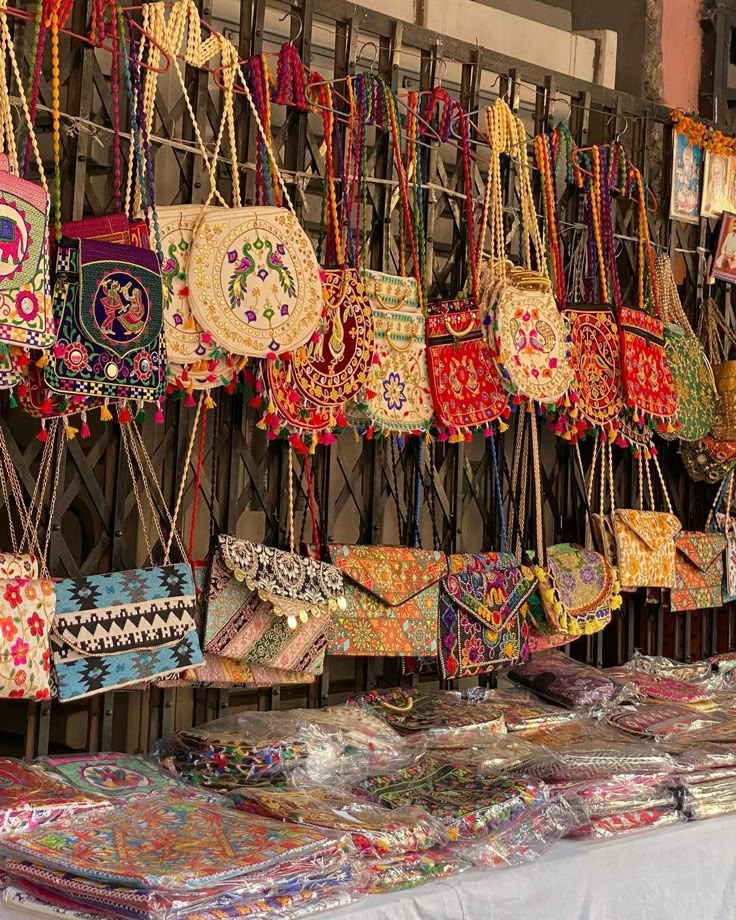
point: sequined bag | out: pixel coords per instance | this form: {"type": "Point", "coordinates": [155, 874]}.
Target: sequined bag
{"type": "Point", "coordinates": [269, 606]}
{"type": "Point", "coordinates": [397, 395]}
{"type": "Point", "coordinates": [392, 598]}
{"type": "Point", "coordinates": [466, 390]}
{"type": "Point", "coordinates": [108, 303]}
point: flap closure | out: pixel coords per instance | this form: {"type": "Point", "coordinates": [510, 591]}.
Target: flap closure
{"type": "Point", "coordinates": [490, 586]}
{"type": "Point", "coordinates": [700, 549]}
{"type": "Point", "coordinates": [653, 528]}
{"type": "Point", "coordinates": [115, 630]}
{"type": "Point", "coordinates": [394, 574]}
{"type": "Point", "coordinates": [280, 573]}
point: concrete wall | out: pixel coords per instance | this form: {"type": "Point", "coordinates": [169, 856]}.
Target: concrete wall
{"type": "Point", "coordinates": [681, 50]}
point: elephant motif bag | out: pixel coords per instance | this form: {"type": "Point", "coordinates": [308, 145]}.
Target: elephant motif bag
{"type": "Point", "coordinates": [699, 580]}
{"type": "Point", "coordinates": [466, 390]}
{"type": "Point", "coordinates": [392, 596]}
{"type": "Point", "coordinates": [119, 629]}
{"type": "Point", "coordinates": [26, 316]}
{"type": "Point", "coordinates": [397, 395]}
{"type": "Point", "coordinates": [270, 607]}
{"type": "Point", "coordinates": [254, 281]}
{"type": "Point", "coordinates": [482, 620]}
{"type": "Point", "coordinates": [108, 303]}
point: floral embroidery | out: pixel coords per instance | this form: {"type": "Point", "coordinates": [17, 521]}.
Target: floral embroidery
{"type": "Point", "coordinates": [26, 303]}
{"type": "Point", "coordinates": [645, 548]}
{"type": "Point", "coordinates": [394, 392]}
{"type": "Point", "coordinates": [696, 398]}
{"type": "Point", "coordinates": [12, 593]}
{"type": "Point", "coordinates": [699, 571]}
{"type": "Point", "coordinates": [648, 384]}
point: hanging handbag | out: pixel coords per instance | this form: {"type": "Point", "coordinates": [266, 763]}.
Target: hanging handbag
{"type": "Point", "coordinates": [720, 522]}
{"type": "Point", "coordinates": [122, 628]}
{"type": "Point", "coordinates": [717, 338]}
{"type": "Point", "coordinates": [253, 275]}
{"type": "Point", "coordinates": [465, 385]}
{"type": "Point", "coordinates": [691, 371]}
{"type": "Point", "coordinates": [109, 308]}
{"type": "Point", "coordinates": [598, 386]}
{"type": "Point", "coordinates": [532, 344]}
{"type": "Point", "coordinates": [26, 317]}
{"type": "Point", "coordinates": [699, 576]}
{"type": "Point", "coordinates": [649, 389]}
{"type": "Point", "coordinates": [392, 598]}
{"type": "Point", "coordinates": [645, 540]}
{"type": "Point", "coordinates": [268, 606]}
{"type": "Point", "coordinates": [709, 459]}
{"type": "Point", "coordinates": [483, 607]}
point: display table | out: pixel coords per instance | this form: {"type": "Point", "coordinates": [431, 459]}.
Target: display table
{"type": "Point", "coordinates": [679, 873]}
{"type": "Point", "coordinates": [686, 872]}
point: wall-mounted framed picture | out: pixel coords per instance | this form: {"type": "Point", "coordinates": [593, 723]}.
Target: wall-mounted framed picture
{"type": "Point", "coordinates": [724, 264]}
{"type": "Point", "coordinates": [687, 165]}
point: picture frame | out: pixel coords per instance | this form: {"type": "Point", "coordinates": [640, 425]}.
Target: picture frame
{"type": "Point", "coordinates": [687, 168]}
{"type": "Point", "coordinates": [724, 263]}
{"type": "Point", "coordinates": [715, 185]}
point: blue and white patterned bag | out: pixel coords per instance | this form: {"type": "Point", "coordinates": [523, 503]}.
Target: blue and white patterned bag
{"type": "Point", "coordinates": [115, 630]}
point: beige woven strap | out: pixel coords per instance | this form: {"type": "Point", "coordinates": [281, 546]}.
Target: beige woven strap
{"type": "Point", "coordinates": [290, 493]}
{"type": "Point", "coordinates": [669, 297]}
{"type": "Point", "coordinates": [183, 477]}
{"type": "Point", "coordinates": [539, 505]}
{"type": "Point", "coordinates": [665, 492]}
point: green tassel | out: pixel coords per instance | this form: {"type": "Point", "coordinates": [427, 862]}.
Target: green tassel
{"type": "Point", "coordinates": [12, 402]}
{"type": "Point", "coordinates": [141, 417]}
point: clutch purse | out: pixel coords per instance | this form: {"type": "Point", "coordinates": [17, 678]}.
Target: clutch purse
{"type": "Point", "coordinates": [108, 303]}
{"type": "Point", "coordinates": [645, 547]}
{"type": "Point", "coordinates": [119, 629]}
{"type": "Point", "coordinates": [482, 620]}
{"type": "Point", "coordinates": [648, 385]}
{"type": "Point", "coordinates": [26, 619]}
{"type": "Point", "coordinates": [392, 600]}
{"type": "Point", "coordinates": [269, 606]}
{"type": "Point", "coordinates": [699, 575]}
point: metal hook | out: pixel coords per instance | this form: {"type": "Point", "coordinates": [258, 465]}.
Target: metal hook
{"type": "Point", "coordinates": [375, 54]}
{"type": "Point", "coordinates": [435, 60]}
{"type": "Point", "coordinates": [626, 126]}
{"type": "Point", "coordinates": [298, 15]}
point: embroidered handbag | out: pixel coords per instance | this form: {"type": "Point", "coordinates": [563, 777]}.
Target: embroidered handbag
{"type": "Point", "coordinates": [728, 587]}
{"type": "Point", "coordinates": [118, 629]}
{"type": "Point", "coordinates": [597, 364]}
{"type": "Point", "coordinates": [645, 548]}
{"type": "Point", "coordinates": [269, 606]}
{"type": "Point", "coordinates": [578, 588]}
{"type": "Point", "coordinates": [109, 228]}
{"type": "Point", "coordinates": [691, 371]}
{"type": "Point", "coordinates": [709, 459]}
{"type": "Point", "coordinates": [482, 619]}
{"type": "Point", "coordinates": [724, 423]}
{"type": "Point", "coordinates": [392, 599]}
{"type": "Point", "coordinates": [26, 316]}
{"type": "Point", "coordinates": [18, 565]}
{"type": "Point", "coordinates": [397, 395]}
{"type": "Point", "coordinates": [466, 390]}
{"type": "Point", "coordinates": [699, 571]}
{"type": "Point", "coordinates": [109, 306]}
{"type": "Point", "coordinates": [26, 617]}
{"type": "Point", "coordinates": [531, 338]}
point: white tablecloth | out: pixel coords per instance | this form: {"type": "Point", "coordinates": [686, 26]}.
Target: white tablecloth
{"type": "Point", "coordinates": [687, 872]}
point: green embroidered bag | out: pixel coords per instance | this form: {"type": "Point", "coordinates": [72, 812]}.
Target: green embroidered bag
{"type": "Point", "coordinates": [691, 371]}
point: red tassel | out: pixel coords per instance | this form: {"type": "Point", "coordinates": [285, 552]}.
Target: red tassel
{"type": "Point", "coordinates": [84, 432]}
{"type": "Point", "coordinates": [340, 420]}
{"type": "Point", "coordinates": [46, 406]}
{"type": "Point", "coordinates": [189, 401]}
{"type": "Point", "coordinates": [159, 416]}
{"type": "Point", "coordinates": [42, 435]}
{"type": "Point", "coordinates": [124, 416]}
{"type": "Point", "coordinates": [369, 432]}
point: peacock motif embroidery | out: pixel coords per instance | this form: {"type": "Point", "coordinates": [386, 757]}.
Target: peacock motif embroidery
{"type": "Point", "coordinates": [271, 260]}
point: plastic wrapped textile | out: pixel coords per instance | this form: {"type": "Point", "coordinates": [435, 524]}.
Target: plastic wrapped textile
{"type": "Point", "coordinates": [692, 672]}
{"type": "Point", "coordinates": [31, 796]}
{"type": "Point", "coordinates": [722, 733]}
{"type": "Point", "coordinates": [620, 793]}
{"type": "Point", "coordinates": [409, 871]}
{"type": "Point", "coordinates": [467, 804]}
{"type": "Point", "coordinates": [440, 713]}
{"type": "Point", "coordinates": [627, 822]}
{"type": "Point", "coordinates": [656, 687]}
{"type": "Point", "coordinates": [504, 754]}
{"type": "Point", "coordinates": [520, 708]}
{"type": "Point", "coordinates": [592, 761]}
{"type": "Point", "coordinates": [528, 838]}
{"type": "Point", "coordinates": [581, 731]}
{"type": "Point", "coordinates": [119, 778]}
{"type": "Point", "coordinates": [374, 830]}
{"type": "Point", "coordinates": [565, 681]}
{"type": "Point", "coordinates": [168, 841]}
{"type": "Point", "coordinates": [656, 720]}
{"type": "Point", "coordinates": [336, 744]}
{"type": "Point", "coordinates": [305, 876]}
{"type": "Point", "coordinates": [708, 799]}
{"type": "Point", "coordinates": [306, 905]}
{"type": "Point", "coordinates": [31, 901]}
